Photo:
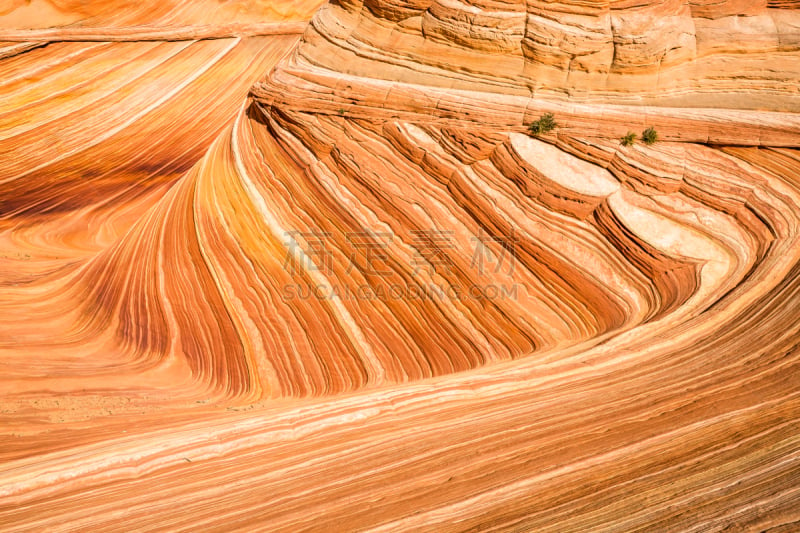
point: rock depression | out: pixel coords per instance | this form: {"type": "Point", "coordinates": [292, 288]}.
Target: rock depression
{"type": "Point", "coordinates": [257, 280]}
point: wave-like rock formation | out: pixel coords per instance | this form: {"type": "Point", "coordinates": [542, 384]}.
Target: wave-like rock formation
{"type": "Point", "coordinates": [256, 281]}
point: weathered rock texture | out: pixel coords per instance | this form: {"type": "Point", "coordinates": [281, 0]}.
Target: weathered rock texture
{"type": "Point", "coordinates": [668, 52]}
{"type": "Point", "coordinates": [362, 297]}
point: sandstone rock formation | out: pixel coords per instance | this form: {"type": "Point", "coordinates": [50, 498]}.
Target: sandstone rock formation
{"type": "Point", "coordinates": [362, 296]}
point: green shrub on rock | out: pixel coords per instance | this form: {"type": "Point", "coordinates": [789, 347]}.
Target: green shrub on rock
{"type": "Point", "coordinates": [545, 124]}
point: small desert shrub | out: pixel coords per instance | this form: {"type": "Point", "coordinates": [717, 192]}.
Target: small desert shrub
{"type": "Point", "coordinates": [629, 139]}
{"type": "Point", "coordinates": [545, 124]}
{"type": "Point", "coordinates": [649, 136]}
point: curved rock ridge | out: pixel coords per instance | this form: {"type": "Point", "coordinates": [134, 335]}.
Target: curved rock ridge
{"type": "Point", "coordinates": [425, 266]}
{"type": "Point", "coordinates": [364, 297]}
{"type": "Point", "coordinates": [94, 136]}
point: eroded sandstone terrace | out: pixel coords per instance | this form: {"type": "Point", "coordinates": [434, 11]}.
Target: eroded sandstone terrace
{"type": "Point", "coordinates": [293, 266]}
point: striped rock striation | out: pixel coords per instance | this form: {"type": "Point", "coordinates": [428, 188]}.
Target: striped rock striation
{"type": "Point", "coordinates": [258, 280]}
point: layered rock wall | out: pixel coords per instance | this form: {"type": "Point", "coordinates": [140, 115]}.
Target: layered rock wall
{"type": "Point", "coordinates": [674, 51]}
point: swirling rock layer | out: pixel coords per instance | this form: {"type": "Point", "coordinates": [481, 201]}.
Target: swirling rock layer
{"type": "Point", "coordinates": [362, 297]}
